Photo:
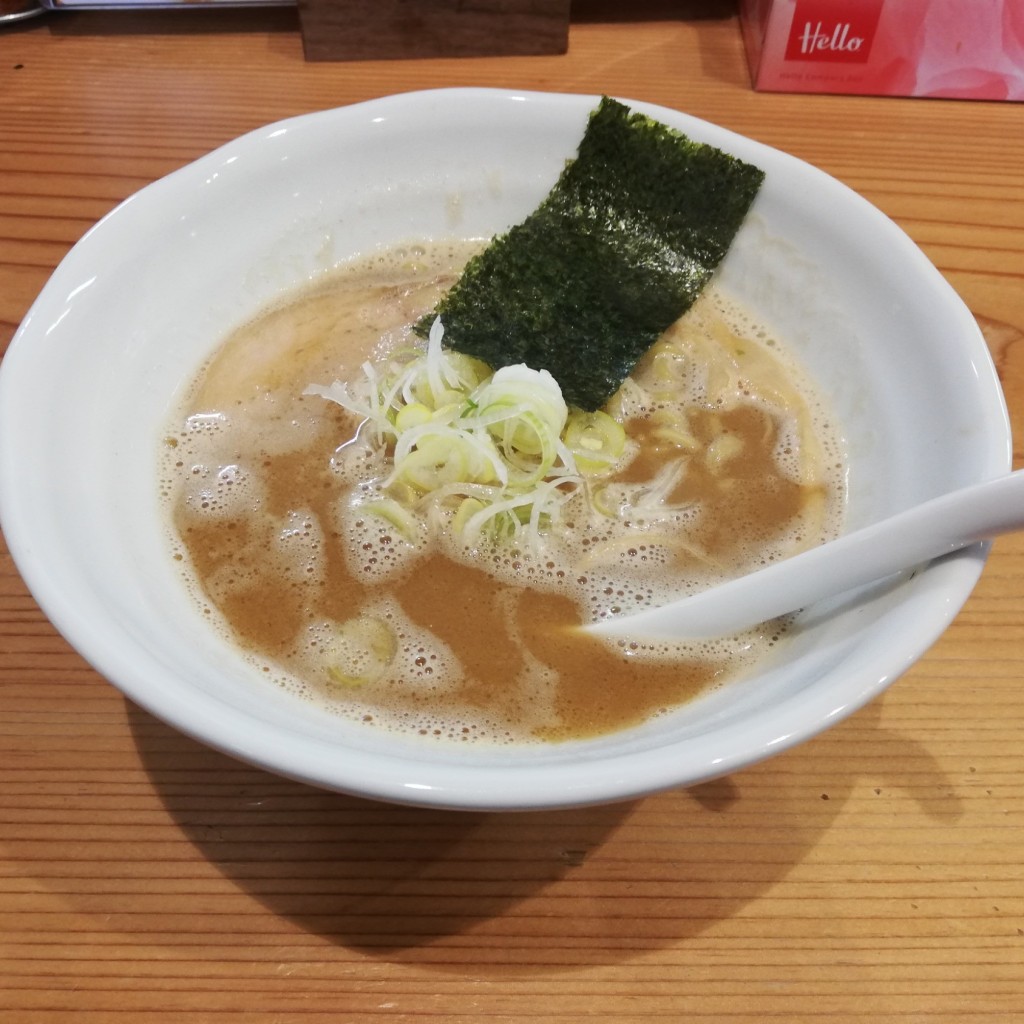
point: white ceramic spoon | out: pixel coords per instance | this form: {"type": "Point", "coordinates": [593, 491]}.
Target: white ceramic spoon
{"type": "Point", "coordinates": [907, 539]}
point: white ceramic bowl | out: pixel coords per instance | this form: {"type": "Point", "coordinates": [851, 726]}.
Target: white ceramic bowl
{"type": "Point", "coordinates": [122, 326]}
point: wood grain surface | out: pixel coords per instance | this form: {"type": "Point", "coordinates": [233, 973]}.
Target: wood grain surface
{"type": "Point", "coordinates": [874, 874]}
{"type": "Point", "coordinates": [380, 29]}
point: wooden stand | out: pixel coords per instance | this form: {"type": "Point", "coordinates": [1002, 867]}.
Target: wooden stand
{"type": "Point", "coordinates": [390, 29]}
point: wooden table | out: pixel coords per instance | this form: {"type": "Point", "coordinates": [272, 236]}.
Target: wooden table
{"type": "Point", "coordinates": [874, 874]}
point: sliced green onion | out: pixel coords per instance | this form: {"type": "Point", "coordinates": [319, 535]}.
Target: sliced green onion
{"type": "Point", "coordinates": [360, 651]}
{"type": "Point", "coordinates": [488, 446]}
{"type": "Point", "coordinates": [595, 439]}
{"type": "Point", "coordinates": [395, 513]}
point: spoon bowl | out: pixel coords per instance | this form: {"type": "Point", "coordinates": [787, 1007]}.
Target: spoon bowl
{"type": "Point", "coordinates": [903, 541]}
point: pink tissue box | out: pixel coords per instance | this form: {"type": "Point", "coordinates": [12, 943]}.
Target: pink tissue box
{"type": "Point", "coordinates": [966, 49]}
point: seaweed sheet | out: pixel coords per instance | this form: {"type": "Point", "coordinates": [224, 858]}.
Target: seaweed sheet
{"type": "Point", "coordinates": [619, 249]}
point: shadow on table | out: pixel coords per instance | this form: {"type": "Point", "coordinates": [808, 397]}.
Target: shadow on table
{"type": "Point", "coordinates": [528, 892]}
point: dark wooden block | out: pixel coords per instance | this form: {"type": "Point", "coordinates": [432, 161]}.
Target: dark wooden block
{"type": "Point", "coordinates": [391, 29]}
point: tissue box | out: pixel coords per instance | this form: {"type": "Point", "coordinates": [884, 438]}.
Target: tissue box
{"type": "Point", "coordinates": [966, 49]}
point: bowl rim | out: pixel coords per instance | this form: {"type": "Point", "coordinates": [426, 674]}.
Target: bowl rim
{"type": "Point", "coordinates": [402, 779]}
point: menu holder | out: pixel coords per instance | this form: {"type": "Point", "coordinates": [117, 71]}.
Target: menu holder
{"type": "Point", "coordinates": [339, 30]}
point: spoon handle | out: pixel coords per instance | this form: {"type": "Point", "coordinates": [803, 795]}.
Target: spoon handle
{"type": "Point", "coordinates": [926, 531]}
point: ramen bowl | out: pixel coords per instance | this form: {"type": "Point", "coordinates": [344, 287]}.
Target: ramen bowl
{"type": "Point", "coordinates": [106, 352]}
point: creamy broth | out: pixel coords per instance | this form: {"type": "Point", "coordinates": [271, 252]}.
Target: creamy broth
{"type": "Point", "coordinates": [731, 463]}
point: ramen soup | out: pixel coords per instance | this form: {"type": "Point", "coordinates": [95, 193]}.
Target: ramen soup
{"type": "Point", "coordinates": [354, 590]}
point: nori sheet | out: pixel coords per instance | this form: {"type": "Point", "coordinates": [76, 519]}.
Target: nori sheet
{"type": "Point", "coordinates": [619, 249]}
